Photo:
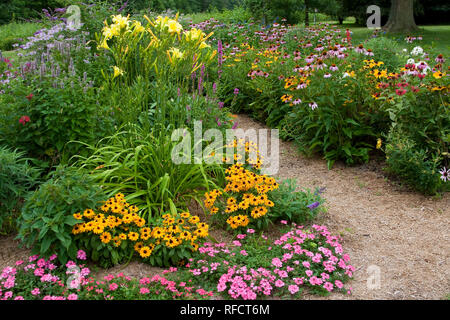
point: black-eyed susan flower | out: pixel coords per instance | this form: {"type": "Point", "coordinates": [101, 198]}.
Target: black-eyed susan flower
{"type": "Point", "coordinates": [145, 252]}
{"type": "Point", "coordinates": [105, 237]}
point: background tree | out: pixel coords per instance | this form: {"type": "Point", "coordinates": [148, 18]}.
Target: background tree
{"type": "Point", "coordinates": [401, 17]}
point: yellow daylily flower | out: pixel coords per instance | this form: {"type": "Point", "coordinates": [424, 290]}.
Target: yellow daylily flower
{"type": "Point", "coordinates": [120, 21]}
{"type": "Point", "coordinates": [174, 26]}
{"type": "Point", "coordinates": [117, 72]}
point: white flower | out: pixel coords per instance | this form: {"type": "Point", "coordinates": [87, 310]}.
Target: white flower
{"type": "Point", "coordinates": [417, 51]}
{"type": "Point", "coordinates": [410, 61]}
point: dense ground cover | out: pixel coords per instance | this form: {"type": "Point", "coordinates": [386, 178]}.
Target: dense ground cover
{"type": "Point", "coordinates": [87, 150]}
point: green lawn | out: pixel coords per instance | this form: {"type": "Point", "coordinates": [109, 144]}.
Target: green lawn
{"type": "Point", "coordinates": [9, 33]}
{"type": "Point", "coordinates": [438, 37]}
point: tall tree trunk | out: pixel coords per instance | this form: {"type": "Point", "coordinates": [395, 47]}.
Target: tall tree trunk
{"type": "Point", "coordinates": [401, 17]}
{"type": "Point", "coordinates": [306, 13]}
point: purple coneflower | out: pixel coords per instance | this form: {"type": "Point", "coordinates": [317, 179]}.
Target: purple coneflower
{"type": "Point", "coordinates": [445, 174]}
{"type": "Point", "coordinates": [313, 105]}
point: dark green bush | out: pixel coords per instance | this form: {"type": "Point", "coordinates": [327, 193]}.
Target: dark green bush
{"type": "Point", "coordinates": [414, 165]}
{"type": "Point", "coordinates": [47, 216]}
{"type": "Point", "coordinates": [293, 205]}
{"type": "Point", "coordinates": [56, 112]}
{"type": "Point", "coordinates": [418, 143]}
{"type": "Point", "coordinates": [17, 177]}
{"type": "Point", "coordinates": [386, 50]}
{"type": "Point", "coordinates": [24, 9]}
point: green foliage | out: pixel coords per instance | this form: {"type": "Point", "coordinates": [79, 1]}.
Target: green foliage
{"type": "Point", "coordinates": [155, 288]}
{"type": "Point", "coordinates": [273, 10]}
{"type": "Point", "coordinates": [414, 165]}
{"type": "Point", "coordinates": [139, 165]}
{"type": "Point", "coordinates": [386, 50]}
{"type": "Point", "coordinates": [186, 6]}
{"type": "Point", "coordinates": [23, 9]}
{"type": "Point", "coordinates": [17, 178]}
{"type": "Point", "coordinates": [58, 112]}
{"type": "Point", "coordinates": [46, 221]}
{"type": "Point", "coordinates": [418, 144]}
{"type": "Point", "coordinates": [292, 205]}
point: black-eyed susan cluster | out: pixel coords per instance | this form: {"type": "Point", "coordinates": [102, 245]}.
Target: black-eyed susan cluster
{"type": "Point", "coordinates": [180, 230]}
{"type": "Point", "coordinates": [120, 229]}
{"type": "Point", "coordinates": [245, 197]}
{"type": "Point", "coordinates": [244, 152]}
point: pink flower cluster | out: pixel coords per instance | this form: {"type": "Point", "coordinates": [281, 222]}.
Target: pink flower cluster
{"type": "Point", "coordinates": [42, 274]}
{"type": "Point", "coordinates": [157, 284]}
{"type": "Point", "coordinates": [313, 258]}
{"type": "Point", "coordinates": [246, 284]}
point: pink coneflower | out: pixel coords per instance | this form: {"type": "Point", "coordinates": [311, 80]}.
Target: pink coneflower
{"type": "Point", "coordinates": [368, 52]}
{"type": "Point", "coordinates": [333, 67]}
{"type": "Point", "coordinates": [313, 105]}
{"type": "Point", "coordinates": [297, 101]}
{"type": "Point", "coordinates": [445, 174]}
{"type": "Point", "coordinates": [309, 59]}
{"type": "Point", "coordinates": [301, 86]}
{"type": "Point", "coordinates": [327, 75]}
{"type": "Point", "coordinates": [440, 59]}
{"type": "Point", "coordinates": [359, 48]}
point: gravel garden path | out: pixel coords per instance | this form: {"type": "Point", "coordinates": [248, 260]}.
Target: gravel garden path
{"type": "Point", "coordinates": [404, 234]}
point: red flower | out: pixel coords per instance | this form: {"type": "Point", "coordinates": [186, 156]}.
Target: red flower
{"type": "Point", "coordinates": [400, 92]}
{"type": "Point", "coordinates": [24, 119]}
{"type": "Point", "coordinates": [402, 85]}
{"type": "Point", "coordinates": [29, 96]}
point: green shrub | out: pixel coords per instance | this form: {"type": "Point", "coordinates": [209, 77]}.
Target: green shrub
{"type": "Point", "coordinates": [295, 206]}
{"type": "Point", "coordinates": [417, 166]}
{"type": "Point", "coordinates": [140, 165]}
{"type": "Point", "coordinates": [418, 142]}
{"type": "Point", "coordinates": [332, 123]}
{"type": "Point", "coordinates": [386, 50]}
{"type": "Point", "coordinates": [23, 9]}
{"type": "Point", "coordinates": [17, 177]}
{"type": "Point", "coordinates": [46, 221]}
{"type": "Point", "coordinates": [54, 115]}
